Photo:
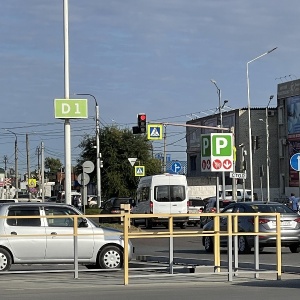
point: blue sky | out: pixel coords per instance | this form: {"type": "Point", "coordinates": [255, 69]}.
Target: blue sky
{"type": "Point", "coordinates": [137, 56]}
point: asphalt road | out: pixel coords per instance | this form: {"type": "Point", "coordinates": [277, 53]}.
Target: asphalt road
{"type": "Point", "coordinates": [153, 283]}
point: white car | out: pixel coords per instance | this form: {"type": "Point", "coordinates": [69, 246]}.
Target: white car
{"type": "Point", "coordinates": [50, 240]}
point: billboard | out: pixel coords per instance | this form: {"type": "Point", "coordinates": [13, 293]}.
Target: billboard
{"type": "Point", "coordinates": [290, 92]}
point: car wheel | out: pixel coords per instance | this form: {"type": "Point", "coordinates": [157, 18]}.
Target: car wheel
{"type": "Point", "coordinates": [148, 223]}
{"type": "Point", "coordinates": [111, 257]}
{"type": "Point", "coordinates": [208, 244]}
{"type": "Point", "coordinates": [243, 245]}
{"type": "Point", "coordinates": [295, 248]}
{"type": "Point", "coordinates": [182, 225]}
{"type": "Point", "coordinates": [5, 260]}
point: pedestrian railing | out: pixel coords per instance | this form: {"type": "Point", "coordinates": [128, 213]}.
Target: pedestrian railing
{"type": "Point", "coordinates": [231, 233]}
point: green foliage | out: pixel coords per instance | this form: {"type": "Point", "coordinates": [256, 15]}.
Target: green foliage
{"type": "Point", "coordinates": [116, 146]}
{"type": "Point", "coordinates": [54, 164]}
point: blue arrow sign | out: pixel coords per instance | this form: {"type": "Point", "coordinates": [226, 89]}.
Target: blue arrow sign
{"type": "Point", "coordinates": [176, 167]}
{"type": "Point", "coordinates": [295, 162]}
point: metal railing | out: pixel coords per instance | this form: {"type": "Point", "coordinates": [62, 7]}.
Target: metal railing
{"type": "Point", "coordinates": [232, 234]}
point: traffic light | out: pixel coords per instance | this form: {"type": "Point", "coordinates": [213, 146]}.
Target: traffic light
{"type": "Point", "coordinates": [142, 122]}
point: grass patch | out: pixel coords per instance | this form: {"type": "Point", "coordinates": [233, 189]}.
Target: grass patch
{"type": "Point", "coordinates": [97, 211]}
{"type": "Point", "coordinates": [92, 211]}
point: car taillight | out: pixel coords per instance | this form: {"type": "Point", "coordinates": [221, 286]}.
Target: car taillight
{"type": "Point", "coordinates": [297, 220]}
{"type": "Point", "coordinates": [188, 204]}
{"type": "Point", "coordinates": [260, 221]}
{"type": "Point", "coordinates": [213, 210]}
{"type": "Point", "coordinates": [151, 207]}
{"type": "Point", "coordinates": [115, 211]}
{"type": "Point", "coordinates": [200, 210]}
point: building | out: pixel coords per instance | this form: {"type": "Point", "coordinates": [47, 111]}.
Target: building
{"type": "Point", "coordinates": [288, 99]}
{"type": "Point", "coordinates": [237, 120]}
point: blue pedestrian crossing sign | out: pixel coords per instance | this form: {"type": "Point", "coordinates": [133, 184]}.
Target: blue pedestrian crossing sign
{"type": "Point", "coordinates": [154, 132]}
{"type": "Point", "coordinates": [176, 167]}
{"type": "Point", "coordinates": [139, 171]}
{"type": "Point", "coordinates": [295, 162]}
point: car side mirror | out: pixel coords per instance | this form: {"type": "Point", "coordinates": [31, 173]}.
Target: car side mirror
{"type": "Point", "coordinates": [83, 223]}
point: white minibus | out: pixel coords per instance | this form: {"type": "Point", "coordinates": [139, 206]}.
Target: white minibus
{"type": "Point", "coordinates": [166, 194]}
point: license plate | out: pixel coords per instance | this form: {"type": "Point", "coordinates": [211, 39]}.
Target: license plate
{"type": "Point", "coordinates": [282, 223]}
{"type": "Point", "coordinates": [285, 223]}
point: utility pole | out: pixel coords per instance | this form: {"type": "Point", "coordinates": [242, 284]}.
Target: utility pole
{"type": "Point", "coordinates": [38, 153]}
{"type": "Point", "coordinates": [165, 150]}
{"type": "Point", "coordinates": [16, 163]}
{"type": "Point", "coordinates": [43, 171]}
{"type": "Point", "coordinates": [28, 165]}
{"type": "Point", "coordinates": [5, 174]}
{"type": "Point", "coordinates": [98, 157]}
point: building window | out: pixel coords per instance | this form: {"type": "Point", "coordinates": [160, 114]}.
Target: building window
{"type": "Point", "coordinates": [193, 162]}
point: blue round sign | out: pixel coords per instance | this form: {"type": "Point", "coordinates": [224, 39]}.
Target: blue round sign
{"type": "Point", "coordinates": [176, 167]}
{"type": "Point", "coordinates": [295, 162]}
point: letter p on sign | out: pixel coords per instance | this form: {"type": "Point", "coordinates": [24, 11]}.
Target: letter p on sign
{"type": "Point", "coordinates": [222, 144]}
{"type": "Point", "coordinates": [205, 145]}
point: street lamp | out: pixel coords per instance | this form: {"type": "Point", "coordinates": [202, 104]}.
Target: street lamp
{"type": "Point", "coordinates": [16, 161]}
{"type": "Point", "coordinates": [268, 155]}
{"type": "Point", "coordinates": [249, 119]}
{"type": "Point", "coordinates": [97, 149]}
{"type": "Point", "coordinates": [221, 125]}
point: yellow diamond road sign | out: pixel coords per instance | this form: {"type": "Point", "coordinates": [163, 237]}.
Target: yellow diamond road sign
{"type": "Point", "coordinates": [154, 132]}
{"type": "Point", "coordinates": [32, 182]}
{"type": "Point", "coordinates": [139, 170]}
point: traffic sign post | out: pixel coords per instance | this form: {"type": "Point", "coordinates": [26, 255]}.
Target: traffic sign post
{"type": "Point", "coordinates": [139, 170]}
{"type": "Point", "coordinates": [217, 152]}
{"type": "Point", "coordinates": [176, 167]}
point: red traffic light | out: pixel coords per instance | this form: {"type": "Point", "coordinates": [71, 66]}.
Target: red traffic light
{"type": "Point", "coordinates": [142, 117]}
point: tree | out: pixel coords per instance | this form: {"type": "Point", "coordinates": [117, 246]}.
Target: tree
{"type": "Point", "coordinates": [54, 164]}
{"type": "Point", "coordinates": [116, 146]}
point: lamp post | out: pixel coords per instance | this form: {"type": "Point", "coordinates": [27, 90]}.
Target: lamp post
{"type": "Point", "coordinates": [268, 154]}
{"type": "Point", "coordinates": [16, 161]}
{"type": "Point", "coordinates": [221, 125]}
{"type": "Point", "coordinates": [99, 200]}
{"type": "Point", "coordinates": [249, 119]}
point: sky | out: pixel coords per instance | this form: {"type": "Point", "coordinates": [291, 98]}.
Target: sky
{"type": "Point", "coordinates": [137, 56]}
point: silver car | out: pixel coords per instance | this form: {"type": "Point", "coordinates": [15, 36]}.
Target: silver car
{"type": "Point", "coordinates": [50, 240]}
{"type": "Point", "coordinates": [290, 226]}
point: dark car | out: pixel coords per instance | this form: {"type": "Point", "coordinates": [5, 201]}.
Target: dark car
{"type": "Point", "coordinates": [290, 226]}
{"type": "Point", "coordinates": [211, 207]}
{"type": "Point", "coordinates": [113, 206]}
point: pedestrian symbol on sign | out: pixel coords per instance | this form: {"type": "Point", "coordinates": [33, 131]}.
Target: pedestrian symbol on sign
{"type": "Point", "coordinates": [139, 170]}
{"type": "Point", "coordinates": [154, 131]}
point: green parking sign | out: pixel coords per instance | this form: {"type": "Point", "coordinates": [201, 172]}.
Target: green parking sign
{"type": "Point", "coordinates": [216, 152]}
{"type": "Point", "coordinates": [221, 144]}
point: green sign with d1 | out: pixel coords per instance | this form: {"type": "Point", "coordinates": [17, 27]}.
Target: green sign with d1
{"type": "Point", "coordinates": [70, 108]}
{"type": "Point", "coordinates": [217, 152]}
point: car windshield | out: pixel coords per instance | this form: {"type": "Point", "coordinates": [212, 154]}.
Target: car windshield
{"type": "Point", "coordinates": [272, 208]}
{"type": "Point", "coordinates": [225, 203]}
